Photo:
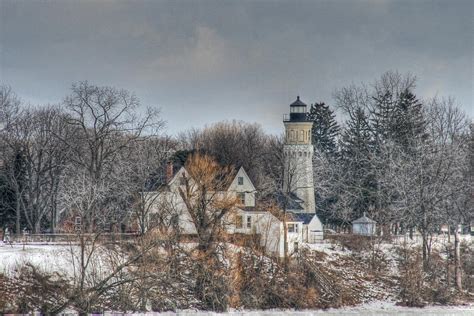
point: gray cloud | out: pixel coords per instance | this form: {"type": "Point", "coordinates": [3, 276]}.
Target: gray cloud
{"type": "Point", "coordinates": [205, 61]}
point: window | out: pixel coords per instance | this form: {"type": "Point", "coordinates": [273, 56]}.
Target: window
{"type": "Point", "coordinates": [238, 221]}
{"type": "Point", "coordinates": [241, 197]}
{"type": "Point", "coordinates": [240, 180]}
{"type": "Point", "coordinates": [292, 228]}
{"type": "Point", "coordinates": [249, 221]}
{"type": "Point", "coordinates": [182, 180]}
{"type": "Point", "coordinates": [295, 247]}
{"type": "Point", "coordinates": [77, 223]}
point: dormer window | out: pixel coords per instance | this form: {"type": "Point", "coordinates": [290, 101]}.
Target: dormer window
{"type": "Point", "coordinates": [240, 180]}
{"type": "Point", "coordinates": [182, 180]}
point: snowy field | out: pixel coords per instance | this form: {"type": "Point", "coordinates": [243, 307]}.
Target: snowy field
{"type": "Point", "coordinates": [43, 256]}
{"type": "Point", "coordinates": [372, 309]}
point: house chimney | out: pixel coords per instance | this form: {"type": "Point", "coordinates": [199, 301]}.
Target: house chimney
{"type": "Point", "coordinates": [169, 171]}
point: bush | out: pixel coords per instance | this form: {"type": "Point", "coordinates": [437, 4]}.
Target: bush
{"type": "Point", "coordinates": [356, 243]}
{"type": "Point", "coordinates": [30, 289]}
{"type": "Point", "coordinates": [410, 265]}
{"type": "Point", "coordinates": [467, 260]}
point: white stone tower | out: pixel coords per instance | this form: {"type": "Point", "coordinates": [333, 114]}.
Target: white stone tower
{"type": "Point", "coordinates": [298, 153]}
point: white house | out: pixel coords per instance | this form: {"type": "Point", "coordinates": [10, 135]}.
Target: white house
{"type": "Point", "coordinates": [364, 226]}
{"type": "Point", "coordinates": [246, 219]}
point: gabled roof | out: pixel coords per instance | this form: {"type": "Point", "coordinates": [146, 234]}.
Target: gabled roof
{"type": "Point", "coordinates": [236, 174]}
{"type": "Point", "coordinates": [292, 202]}
{"type": "Point", "coordinates": [364, 220]}
{"type": "Point", "coordinates": [306, 218]}
{"type": "Point", "coordinates": [176, 175]}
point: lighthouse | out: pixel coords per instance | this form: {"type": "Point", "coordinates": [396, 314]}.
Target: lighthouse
{"type": "Point", "coordinates": [298, 156]}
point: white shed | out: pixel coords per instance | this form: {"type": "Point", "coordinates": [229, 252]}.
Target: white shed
{"type": "Point", "coordinates": [364, 226]}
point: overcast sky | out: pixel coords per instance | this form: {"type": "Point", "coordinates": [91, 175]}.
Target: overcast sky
{"type": "Point", "coordinates": [206, 61]}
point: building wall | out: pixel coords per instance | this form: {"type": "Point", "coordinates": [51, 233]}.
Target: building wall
{"type": "Point", "coordinates": [246, 188]}
{"type": "Point", "coordinates": [298, 133]}
{"type": "Point", "coordinates": [298, 151]}
{"type": "Point", "coordinates": [264, 224]}
{"type": "Point", "coordinates": [298, 176]}
{"type": "Point", "coordinates": [292, 238]}
{"type": "Point", "coordinates": [367, 229]}
{"type": "Point", "coordinates": [313, 231]}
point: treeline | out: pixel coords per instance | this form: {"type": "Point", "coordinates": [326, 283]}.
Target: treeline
{"type": "Point", "coordinates": [404, 161]}
{"type": "Point", "coordinates": [88, 156]}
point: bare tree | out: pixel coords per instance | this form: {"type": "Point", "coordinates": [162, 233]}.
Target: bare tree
{"type": "Point", "coordinates": [36, 164]}
{"type": "Point", "coordinates": [148, 168]}
{"type": "Point", "coordinates": [9, 106]}
{"type": "Point", "coordinates": [107, 122]}
{"type": "Point", "coordinates": [233, 143]}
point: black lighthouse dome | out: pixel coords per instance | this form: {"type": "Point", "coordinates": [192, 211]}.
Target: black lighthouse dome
{"type": "Point", "coordinates": [298, 111]}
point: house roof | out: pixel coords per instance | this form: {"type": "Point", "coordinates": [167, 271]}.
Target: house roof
{"type": "Point", "coordinates": [292, 202]}
{"type": "Point", "coordinates": [306, 218]}
{"type": "Point", "coordinates": [364, 220]}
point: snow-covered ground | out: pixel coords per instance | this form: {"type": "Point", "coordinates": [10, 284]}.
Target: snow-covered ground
{"type": "Point", "coordinates": [44, 256]}
{"type": "Point", "coordinates": [371, 309]}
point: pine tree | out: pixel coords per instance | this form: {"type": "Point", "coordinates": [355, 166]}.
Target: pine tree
{"type": "Point", "coordinates": [409, 120]}
{"type": "Point", "coordinates": [356, 150]}
{"type": "Point", "coordinates": [397, 119]}
{"type": "Point", "coordinates": [383, 121]}
{"type": "Point", "coordinates": [325, 128]}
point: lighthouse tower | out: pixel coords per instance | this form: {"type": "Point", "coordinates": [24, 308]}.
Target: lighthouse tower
{"type": "Point", "coordinates": [298, 153]}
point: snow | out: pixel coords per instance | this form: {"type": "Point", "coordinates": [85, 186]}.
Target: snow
{"type": "Point", "coordinates": [44, 256]}
{"type": "Point", "coordinates": [380, 308]}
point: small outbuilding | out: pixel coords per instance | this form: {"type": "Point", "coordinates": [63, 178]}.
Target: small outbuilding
{"type": "Point", "coordinates": [364, 226]}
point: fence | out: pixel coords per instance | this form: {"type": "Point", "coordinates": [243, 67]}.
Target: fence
{"type": "Point", "coordinates": [68, 238]}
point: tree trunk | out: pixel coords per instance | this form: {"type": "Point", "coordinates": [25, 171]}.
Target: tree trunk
{"type": "Point", "coordinates": [457, 259]}
{"type": "Point", "coordinates": [285, 242]}
{"type": "Point", "coordinates": [448, 266]}
{"type": "Point", "coordinates": [18, 214]}
{"type": "Point", "coordinates": [425, 250]}
{"type": "Point", "coordinates": [37, 229]}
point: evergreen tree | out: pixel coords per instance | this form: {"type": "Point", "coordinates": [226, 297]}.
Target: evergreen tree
{"type": "Point", "coordinates": [397, 118]}
{"type": "Point", "coordinates": [359, 183]}
{"type": "Point", "coordinates": [325, 128]}
{"type": "Point", "coordinates": [383, 121]}
{"type": "Point", "coordinates": [7, 202]}
{"type": "Point", "coordinates": [409, 120]}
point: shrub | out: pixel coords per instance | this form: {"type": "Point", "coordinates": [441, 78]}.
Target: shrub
{"type": "Point", "coordinates": [410, 265]}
